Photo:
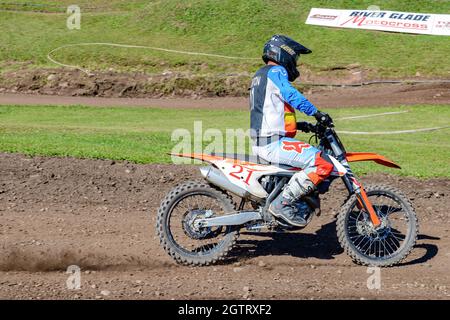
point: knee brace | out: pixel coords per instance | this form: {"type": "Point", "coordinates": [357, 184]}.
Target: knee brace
{"type": "Point", "coordinates": [323, 168]}
{"type": "Point", "coordinates": [299, 185]}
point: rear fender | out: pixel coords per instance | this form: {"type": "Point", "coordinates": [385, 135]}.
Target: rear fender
{"type": "Point", "coordinates": [243, 174]}
{"type": "Point", "coordinates": [198, 156]}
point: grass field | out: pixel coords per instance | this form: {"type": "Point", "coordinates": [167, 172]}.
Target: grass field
{"type": "Point", "coordinates": [231, 27]}
{"type": "Point", "coordinates": [143, 135]}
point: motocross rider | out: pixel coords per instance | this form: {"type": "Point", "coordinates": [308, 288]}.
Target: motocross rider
{"type": "Point", "coordinates": [273, 101]}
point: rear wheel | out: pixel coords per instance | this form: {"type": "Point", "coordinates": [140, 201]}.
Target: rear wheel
{"type": "Point", "coordinates": [178, 232]}
{"type": "Point", "coordinates": [386, 245]}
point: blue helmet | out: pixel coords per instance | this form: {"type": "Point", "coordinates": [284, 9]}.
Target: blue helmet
{"type": "Point", "coordinates": [285, 52]}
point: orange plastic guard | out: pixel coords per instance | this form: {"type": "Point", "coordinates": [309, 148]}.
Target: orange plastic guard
{"type": "Point", "coordinates": [199, 156]}
{"type": "Point", "coordinates": [369, 156]}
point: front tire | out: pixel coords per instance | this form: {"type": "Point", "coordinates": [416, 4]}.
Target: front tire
{"type": "Point", "coordinates": [383, 247]}
{"type": "Point", "coordinates": [201, 248]}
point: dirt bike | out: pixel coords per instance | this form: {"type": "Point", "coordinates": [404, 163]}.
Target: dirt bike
{"type": "Point", "coordinates": [198, 222]}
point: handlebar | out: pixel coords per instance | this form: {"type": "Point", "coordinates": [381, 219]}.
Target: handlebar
{"type": "Point", "coordinates": [315, 128]}
{"type": "Point", "coordinates": [306, 127]}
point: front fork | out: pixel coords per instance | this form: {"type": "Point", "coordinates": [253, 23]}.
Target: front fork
{"type": "Point", "coordinates": [355, 187]}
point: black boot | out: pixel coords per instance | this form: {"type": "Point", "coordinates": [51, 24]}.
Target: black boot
{"type": "Point", "coordinates": [285, 209]}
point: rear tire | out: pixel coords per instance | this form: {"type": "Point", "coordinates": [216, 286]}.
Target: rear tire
{"type": "Point", "coordinates": [180, 254]}
{"type": "Point", "coordinates": [349, 237]}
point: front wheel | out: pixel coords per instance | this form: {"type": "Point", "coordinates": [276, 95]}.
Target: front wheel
{"type": "Point", "coordinates": [178, 232]}
{"type": "Point", "coordinates": [386, 245]}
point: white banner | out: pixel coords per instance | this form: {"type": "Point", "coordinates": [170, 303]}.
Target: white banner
{"type": "Point", "coordinates": [421, 23]}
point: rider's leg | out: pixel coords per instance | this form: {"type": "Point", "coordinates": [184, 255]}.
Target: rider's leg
{"type": "Point", "coordinates": [301, 155]}
{"type": "Point", "coordinates": [301, 184]}
{"type": "Point", "coordinates": [304, 182]}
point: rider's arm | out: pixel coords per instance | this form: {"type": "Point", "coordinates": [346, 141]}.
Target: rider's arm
{"type": "Point", "coordinates": [289, 94]}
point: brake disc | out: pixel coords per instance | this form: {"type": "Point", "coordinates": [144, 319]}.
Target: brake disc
{"type": "Point", "coordinates": [384, 229]}
{"type": "Point", "coordinates": [365, 228]}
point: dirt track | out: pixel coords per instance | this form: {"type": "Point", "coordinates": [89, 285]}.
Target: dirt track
{"type": "Point", "coordinates": [100, 215]}
{"type": "Point", "coordinates": [373, 95]}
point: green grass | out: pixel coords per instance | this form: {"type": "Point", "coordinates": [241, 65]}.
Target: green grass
{"type": "Point", "coordinates": [231, 27]}
{"type": "Point", "coordinates": [143, 135]}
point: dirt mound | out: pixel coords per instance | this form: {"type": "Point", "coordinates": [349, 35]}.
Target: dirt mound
{"type": "Point", "coordinates": [115, 84]}
{"type": "Point", "coordinates": [112, 87]}
{"type": "Point", "coordinates": [100, 215]}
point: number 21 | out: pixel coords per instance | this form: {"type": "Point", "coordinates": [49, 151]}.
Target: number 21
{"type": "Point", "coordinates": [234, 174]}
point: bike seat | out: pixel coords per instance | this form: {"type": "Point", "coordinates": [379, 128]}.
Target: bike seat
{"type": "Point", "coordinates": [251, 158]}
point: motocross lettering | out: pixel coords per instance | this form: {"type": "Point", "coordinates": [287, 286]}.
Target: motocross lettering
{"type": "Point", "coordinates": [234, 174]}
{"type": "Point", "coordinates": [296, 146]}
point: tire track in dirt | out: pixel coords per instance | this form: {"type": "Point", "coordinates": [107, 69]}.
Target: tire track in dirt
{"type": "Point", "coordinates": [16, 258]}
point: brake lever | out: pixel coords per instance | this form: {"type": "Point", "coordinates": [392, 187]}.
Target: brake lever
{"type": "Point", "coordinates": [324, 126]}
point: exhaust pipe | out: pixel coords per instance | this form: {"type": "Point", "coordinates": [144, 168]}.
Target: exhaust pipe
{"type": "Point", "coordinates": [217, 178]}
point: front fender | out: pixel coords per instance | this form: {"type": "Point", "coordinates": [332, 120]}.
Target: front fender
{"type": "Point", "coordinates": [369, 156]}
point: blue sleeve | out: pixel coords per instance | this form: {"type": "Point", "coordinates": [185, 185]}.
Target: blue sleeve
{"type": "Point", "coordinates": [279, 76]}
